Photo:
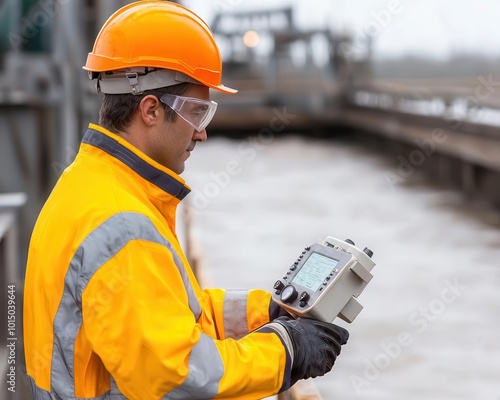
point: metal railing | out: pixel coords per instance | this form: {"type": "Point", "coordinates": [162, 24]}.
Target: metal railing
{"type": "Point", "coordinates": [11, 282]}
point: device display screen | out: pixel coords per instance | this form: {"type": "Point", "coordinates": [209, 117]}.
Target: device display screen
{"type": "Point", "coordinates": [314, 271]}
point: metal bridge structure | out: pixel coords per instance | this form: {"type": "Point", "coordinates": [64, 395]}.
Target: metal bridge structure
{"type": "Point", "coordinates": [449, 128]}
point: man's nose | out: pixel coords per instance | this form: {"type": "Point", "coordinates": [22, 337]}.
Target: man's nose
{"type": "Point", "coordinates": [200, 136]}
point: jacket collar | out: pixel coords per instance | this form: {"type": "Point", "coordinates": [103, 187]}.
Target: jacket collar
{"type": "Point", "coordinates": [145, 167]}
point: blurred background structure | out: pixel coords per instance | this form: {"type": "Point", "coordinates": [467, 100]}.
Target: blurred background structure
{"type": "Point", "coordinates": [361, 136]}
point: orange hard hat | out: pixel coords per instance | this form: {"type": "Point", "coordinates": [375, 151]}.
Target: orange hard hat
{"type": "Point", "coordinates": [155, 35]}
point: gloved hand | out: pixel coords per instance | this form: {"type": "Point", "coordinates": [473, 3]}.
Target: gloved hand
{"type": "Point", "coordinates": [276, 311]}
{"type": "Point", "coordinates": [316, 346]}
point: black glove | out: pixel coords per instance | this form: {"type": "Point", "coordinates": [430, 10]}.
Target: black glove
{"type": "Point", "coordinates": [276, 311]}
{"type": "Point", "coordinates": [316, 346]}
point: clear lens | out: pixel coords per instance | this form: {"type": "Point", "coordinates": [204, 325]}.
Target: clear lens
{"type": "Point", "coordinates": [196, 112]}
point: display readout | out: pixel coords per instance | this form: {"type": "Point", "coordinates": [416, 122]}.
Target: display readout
{"type": "Point", "coordinates": [314, 271]}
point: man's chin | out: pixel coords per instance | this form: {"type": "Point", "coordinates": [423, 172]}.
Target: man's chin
{"type": "Point", "coordinates": [180, 169]}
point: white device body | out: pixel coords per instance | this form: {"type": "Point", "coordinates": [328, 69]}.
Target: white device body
{"type": "Point", "coordinates": [325, 281]}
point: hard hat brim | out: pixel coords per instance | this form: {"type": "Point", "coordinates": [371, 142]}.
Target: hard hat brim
{"type": "Point", "coordinates": [225, 89]}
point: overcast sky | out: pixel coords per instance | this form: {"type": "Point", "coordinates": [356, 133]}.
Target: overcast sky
{"type": "Point", "coordinates": [436, 28]}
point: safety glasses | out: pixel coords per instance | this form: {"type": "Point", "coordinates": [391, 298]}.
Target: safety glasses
{"type": "Point", "coordinates": [196, 112]}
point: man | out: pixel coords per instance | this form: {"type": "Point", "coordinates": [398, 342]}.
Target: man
{"type": "Point", "coordinates": [112, 308]}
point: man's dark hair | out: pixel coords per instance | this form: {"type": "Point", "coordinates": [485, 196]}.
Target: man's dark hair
{"type": "Point", "coordinates": [118, 110]}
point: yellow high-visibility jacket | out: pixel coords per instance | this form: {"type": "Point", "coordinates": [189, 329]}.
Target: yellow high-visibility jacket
{"type": "Point", "coordinates": [112, 309]}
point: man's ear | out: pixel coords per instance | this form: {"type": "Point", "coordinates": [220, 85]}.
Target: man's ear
{"type": "Point", "coordinates": [150, 110]}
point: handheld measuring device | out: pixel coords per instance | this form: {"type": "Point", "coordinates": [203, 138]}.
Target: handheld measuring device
{"type": "Point", "coordinates": [325, 281]}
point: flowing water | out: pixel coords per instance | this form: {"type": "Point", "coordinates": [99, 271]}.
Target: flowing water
{"type": "Point", "coordinates": [430, 327]}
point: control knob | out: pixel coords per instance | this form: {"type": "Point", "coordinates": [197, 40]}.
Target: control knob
{"type": "Point", "coordinates": [368, 252]}
{"type": "Point", "coordinates": [279, 285]}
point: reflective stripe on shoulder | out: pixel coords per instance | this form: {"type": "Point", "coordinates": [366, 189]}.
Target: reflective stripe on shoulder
{"type": "Point", "coordinates": [235, 314]}
{"type": "Point", "coordinates": [101, 245]}
{"type": "Point", "coordinates": [205, 372]}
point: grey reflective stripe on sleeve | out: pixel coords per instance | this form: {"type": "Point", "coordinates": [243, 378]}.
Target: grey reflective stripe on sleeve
{"type": "Point", "coordinates": [235, 314]}
{"type": "Point", "coordinates": [101, 245]}
{"type": "Point", "coordinates": [40, 394]}
{"type": "Point", "coordinates": [281, 332]}
{"type": "Point", "coordinates": [205, 372]}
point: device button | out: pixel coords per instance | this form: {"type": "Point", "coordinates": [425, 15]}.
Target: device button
{"type": "Point", "coordinates": [278, 285]}
{"type": "Point", "coordinates": [303, 303]}
{"type": "Point", "coordinates": [304, 296]}
{"type": "Point", "coordinates": [308, 248]}
{"type": "Point", "coordinates": [327, 278]}
{"type": "Point", "coordinates": [288, 294]}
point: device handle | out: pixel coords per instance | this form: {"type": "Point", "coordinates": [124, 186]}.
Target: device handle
{"type": "Point", "coordinates": [362, 272]}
